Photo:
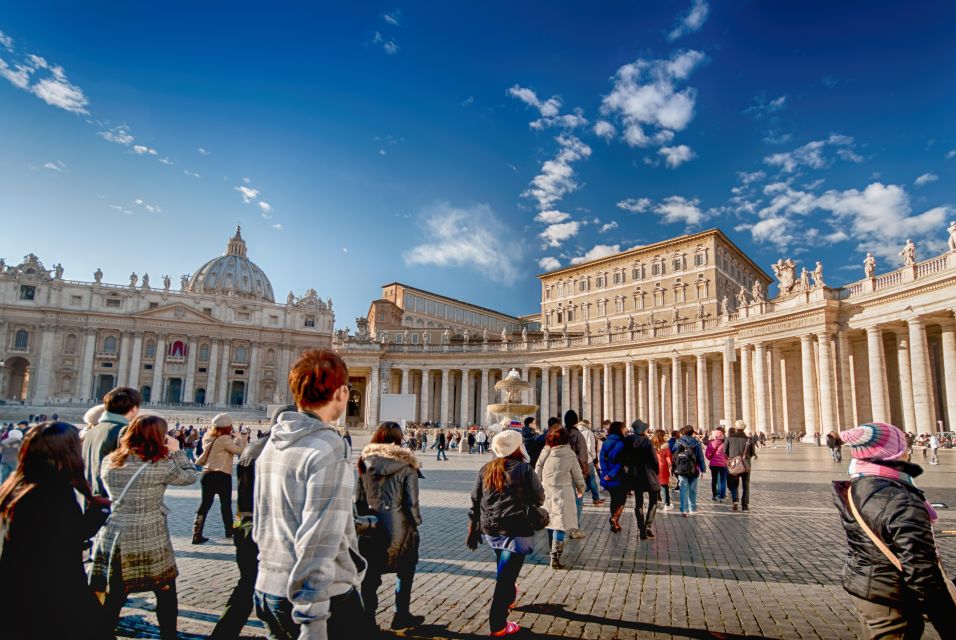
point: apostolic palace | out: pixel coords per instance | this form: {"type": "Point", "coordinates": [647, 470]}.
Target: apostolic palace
{"type": "Point", "coordinates": [683, 331]}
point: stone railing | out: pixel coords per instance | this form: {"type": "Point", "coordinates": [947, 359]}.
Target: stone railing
{"type": "Point", "coordinates": [902, 275]}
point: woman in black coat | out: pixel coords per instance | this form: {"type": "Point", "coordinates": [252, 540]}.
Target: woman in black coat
{"type": "Point", "coordinates": [642, 466]}
{"type": "Point", "coordinates": [388, 489]}
{"type": "Point", "coordinates": [45, 528]}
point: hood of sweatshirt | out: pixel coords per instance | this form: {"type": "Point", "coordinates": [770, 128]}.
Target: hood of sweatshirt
{"type": "Point", "coordinates": [293, 426]}
{"type": "Point", "coordinates": [383, 460]}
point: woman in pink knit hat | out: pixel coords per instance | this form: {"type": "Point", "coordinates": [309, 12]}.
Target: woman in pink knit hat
{"type": "Point", "coordinates": [892, 571]}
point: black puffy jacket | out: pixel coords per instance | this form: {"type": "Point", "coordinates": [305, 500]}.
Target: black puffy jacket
{"type": "Point", "coordinates": [505, 513]}
{"type": "Point", "coordinates": [641, 460]}
{"type": "Point", "coordinates": [896, 512]}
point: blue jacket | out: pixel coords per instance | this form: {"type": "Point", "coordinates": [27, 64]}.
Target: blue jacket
{"type": "Point", "coordinates": [612, 462]}
{"type": "Point", "coordinates": [693, 444]}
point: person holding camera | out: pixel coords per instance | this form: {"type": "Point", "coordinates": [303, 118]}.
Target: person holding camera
{"type": "Point", "coordinates": [219, 451]}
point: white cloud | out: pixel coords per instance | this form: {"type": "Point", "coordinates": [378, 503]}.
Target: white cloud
{"type": "Point", "coordinates": [551, 216]}
{"type": "Point", "coordinates": [191, 174]}
{"type": "Point", "coordinates": [812, 154]}
{"type": "Point", "coordinates": [248, 193]}
{"type": "Point", "coordinates": [597, 251]}
{"type": "Point", "coordinates": [6, 41]}
{"type": "Point", "coordinates": [925, 179]}
{"type": "Point", "coordinates": [555, 234]}
{"type": "Point", "coordinates": [549, 263]}
{"type": "Point", "coordinates": [608, 227]}
{"type": "Point", "coordinates": [749, 177]}
{"type": "Point", "coordinates": [19, 77]}
{"type": "Point", "coordinates": [547, 108]}
{"type": "Point", "coordinates": [382, 152]}
{"type": "Point", "coordinates": [680, 209]}
{"type": "Point", "coordinates": [566, 121]}
{"type": "Point", "coordinates": [246, 181]}
{"type": "Point", "coordinates": [278, 226]}
{"type": "Point", "coordinates": [393, 18]}
{"type": "Point", "coordinates": [693, 21]}
{"type": "Point", "coordinates": [140, 149]}
{"type": "Point", "coordinates": [202, 151]}
{"type": "Point", "coordinates": [557, 179]}
{"type": "Point", "coordinates": [471, 237]}
{"type": "Point", "coordinates": [388, 46]}
{"type": "Point", "coordinates": [53, 87]}
{"type": "Point", "coordinates": [951, 154]}
{"type": "Point", "coordinates": [265, 208]}
{"type": "Point", "coordinates": [645, 95]}
{"type": "Point", "coordinates": [761, 106]}
{"type": "Point", "coordinates": [604, 129]}
{"type": "Point", "coordinates": [676, 156]}
{"type": "Point", "coordinates": [635, 205]}
{"type": "Point", "coordinates": [166, 161]}
{"type": "Point", "coordinates": [57, 166]}
{"type": "Point", "coordinates": [151, 208]}
{"type": "Point", "coordinates": [118, 135]}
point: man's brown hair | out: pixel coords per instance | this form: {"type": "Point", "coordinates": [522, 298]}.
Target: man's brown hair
{"type": "Point", "coordinates": [315, 377]}
{"type": "Point", "coordinates": [122, 399]}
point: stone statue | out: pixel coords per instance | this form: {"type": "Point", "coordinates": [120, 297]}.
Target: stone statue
{"type": "Point", "coordinates": [524, 334]}
{"type": "Point", "coordinates": [445, 336]}
{"type": "Point", "coordinates": [675, 318]}
{"type": "Point", "coordinates": [484, 335]}
{"type": "Point", "coordinates": [630, 322]}
{"type": "Point", "coordinates": [757, 291]}
{"type": "Point", "coordinates": [607, 324]}
{"type": "Point", "coordinates": [166, 283]}
{"type": "Point", "coordinates": [564, 331]}
{"type": "Point", "coordinates": [133, 279]}
{"type": "Point", "coordinates": [784, 270]}
{"type": "Point", "coordinates": [742, 297]}
{"type": "Point", "coordinates": [98, 276]}
{"type": "Point", "coordinates": [908, 253]}
{"type": "Point", "coordinates": [58, 271]}
{"type": "Point", "coordinates": [3, 265]}
{"type": "Point", "coordinates": [547, 335]}
{"type": "Point", "coordinates": [804, 279]}
{"type": "Point", "coordinates": [405, 336]}
{"type": "Point", "coordinates": [290, 299]}
{"type": "Point", "coordinates": [951, 229]}
{"type": "Point", "coordinates": [869, 265]}
{"type": "Point", "coordinates": [183, 281]}
{"type": "Point", "coordinates": [383, 337]}
{"type": "Point", "coordinates": [818, 276]}
{"type": "Point", "coordinates": [700, 308]}
{"type": "Point", "coordinates": [145, 284]}
{"type": "Point", "coordinates": [427, 338]}
{"type": "Point", "coordinates": [724, 307]}
{"type": "Point", "coordinates": [466, 336]}
{"type": "Point", "coordinates": [587, 327]}
{"type": "Point", "coordinates": [504, 335]}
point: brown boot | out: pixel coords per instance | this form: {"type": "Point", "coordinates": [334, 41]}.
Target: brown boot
{"type": "Point", "coordinates": [615, 519]}
{"type": "Point", "coordinates": [197, 529]}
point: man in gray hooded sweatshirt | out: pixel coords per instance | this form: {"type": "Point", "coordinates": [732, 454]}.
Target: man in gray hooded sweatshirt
{"type": "Point", "coordinates": [310, 569]}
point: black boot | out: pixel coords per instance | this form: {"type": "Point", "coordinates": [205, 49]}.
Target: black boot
{"type": "Point", "coordinates": [651, 512]}
{"type": "Point", "coordinates": [227, 520]}
{"type": "Point", "coordinates": [641, 524]}
{"type": "Point", "coordinates": [197, 529]}
{"type": "Point", "coordinates": [557, 548]}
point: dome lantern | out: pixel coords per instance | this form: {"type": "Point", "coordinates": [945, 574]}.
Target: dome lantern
{"type": "Point", "coordinates": [232, 274]}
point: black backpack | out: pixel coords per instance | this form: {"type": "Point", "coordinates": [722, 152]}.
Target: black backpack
{"type": "Point", "coordinates": [685, 462]}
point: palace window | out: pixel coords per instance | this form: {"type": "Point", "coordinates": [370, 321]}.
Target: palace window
{"type": "Point", "coordinates": [241, 355]}
{"type": "Point", "coordinates": [70, 345]}
{"type": "Point", "coordinates": [560, 316]}
{"type": "Point", "coordinates": [114, 303]}
{"type": "Point", "coordinates": [570, 315]}
{"type": "Point", "coordinates": [547, 293]}
{"type": "Point", "coordinates": [583, 284]}
{"type": "Point", "coordinates": [568, 289]}
{"type": "Point", "coordinates": [109, 344]}
{"type": "Point", "coordinates": [619, 305]}
{"type": "Point", "coordinates": [618, 277]}
{"type": "Point", "coordinates": [600, 281]}
{"type": "Point", "coordinates": [602, 308]}
{"type": "Point", "coordinates": [310, 321]}
{"type": "Point", "coordinates": [21, 339]}
{"type": "Point", "coordinates": [637, 272]}
{"type": "Point", "coordinates": [204, 353]}
{"type": "Point", "coordinates": [177, 349]}
{"type": "Point", "coordinates": [414, 338]}
{"type": "Point", "coordinates": [639, 299]}
{"type": "Point", "coordinates": [678, 263]}
{"type": "Point", "coordinates": [657, 269]}
{"type": "Point", "coordinates": [153, 305]}
{"type": "Point", "coordinates": [27, 292]}
{"type": "Point", "coordinates": [150, 350]}
{"type": "Point", "coordinates": [76, 300]}
{"type": "Point", "coordinates": [700, 259]}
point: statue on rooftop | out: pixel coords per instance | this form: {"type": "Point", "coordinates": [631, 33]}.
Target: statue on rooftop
{"type": "Point", "coordinates": [869, 265]}
{"type": "Point", "coordinates": [133, 279]}
{"type": "Point", "coordinates": [908, 253]}
{"type": "Point", "coordinates": [98, 275]}
{"type": "Point", "coordinates": [818, 276]}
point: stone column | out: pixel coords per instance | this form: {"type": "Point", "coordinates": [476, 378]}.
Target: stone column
{"type": "Point", "coordinates": [906, 382]}
{"type": "Point", "coordinates": [587, 406]}
{"type": "Point", "coordinates": [762, 418]}
{"type": "Point", "coordinates": [544, 411]}
{"type": "Point", "coordinates": [608, 404]}
{"type": "Point", "coordinates": [122, 374]}
{"type": "Point", "coordinates": [667, 416]}
{"type": "Point", "coordinates": [844, 380]}
{"type": "Point", "coordinates": [405, 386]}
{"type": "Point", "coordinates": [677, 393]}
{"type": "Point", "coordinates": [44, 365]}
{"type": "Point", "coordinates": [565, 390]}
{"type": "Point", "coordinates": [576, 392]}
{"type": "Point", "coordinates": [426, 391]}
{"type": "Point", "coordinates": [86, 366]}
{"type": "Point", "coordinates": [778, 390]}
{"type": "Point", "coordinates": [223, 394]}
{"type": "Point", "coordinates": [483, 397]}
{"type": "Point", "coordinates": [628, 392]}
{"type": "Point", "coordinates": [716, 394]}
{"type": "Point", "coordinates": [190, 381]}
{"type": "Point", "coordinates": [746, 388]}
{"type": "Point", "coordinates": [874, 344]}
{"type": "Point", "coordinates": [212, 368]}
{"type": "Point", "coordinates": [465, 397]}
{"type": "Point", "coordinates": [252, 387]}
{"type": "Point", "coordinates": [158, 392]}
{"type": "Point", "coordinates": [727, 376]}
{"type": "Point", "coordinates": [828, 406]}
{"type": "Point", "coordinates": [653, 397]}
{"type": "Point", "coordinates": [949, 371]}
{"type": "Point", "coordinates": [642, 411]}
{"type": "Point", "coordinates": [703, 410]}
{"type": "Point", "coordinates": [689, 401]}
{"type": "Point", "coordinates": [922, 389]}
{"type": "Point", "coordinates": [619, 408]}
{"type": "Point", "coordinates": [372, 395]}
{"type": "Point", "coordinates": [809, 388]}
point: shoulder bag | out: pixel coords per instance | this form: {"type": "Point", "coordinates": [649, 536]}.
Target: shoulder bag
{"type": "Point", "coordinates": [204, 458]}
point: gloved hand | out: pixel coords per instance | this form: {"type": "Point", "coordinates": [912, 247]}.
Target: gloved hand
{"type": "Point", "coordinates": [474, 536]}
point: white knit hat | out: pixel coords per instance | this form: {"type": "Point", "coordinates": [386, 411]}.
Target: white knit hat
{"type": "Point", "coordinates": [222, 420]}
{"type": "Point", "coordinates": [94, 413]}
{"type": "Point", "coordinates": [507, 442]}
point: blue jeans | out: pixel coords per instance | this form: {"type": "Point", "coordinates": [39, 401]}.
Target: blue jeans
{"type": "Point", "coordinates": [441, 452]}
{"type": "Point", "coordinates": [579, 504]}
{"type": "Point", "coordinates": [276, 612]}
{"type": "Point", "coordinates": [591, 483]}
{"type": "Point", "coordinates": [688, 493]}
{"type": "Point", "coordinates": [555, 535]}
{"type": "Point", "coordinates": [6, 470]}
{"type": "Point", "coordinates": [403, 589]}
{"type": "Point", "coordinates": [718, 482]}
{"type": "Point", "coordinates": [789, 446]}
{"type": "Point", "coordinates": [509, 566]}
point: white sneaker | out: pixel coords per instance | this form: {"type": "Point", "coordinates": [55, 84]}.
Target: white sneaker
{"type": "Point", "coordinates": [668, 507]}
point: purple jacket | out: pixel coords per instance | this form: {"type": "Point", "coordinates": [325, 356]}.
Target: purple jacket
{"type": "Point", "coordinates": [715, 453]}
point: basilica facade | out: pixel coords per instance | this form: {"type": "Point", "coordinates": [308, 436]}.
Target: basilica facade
{"type": "Point", "coordinates": [218, 338]}
{"type": "Point", "coordinates": [684, 331]}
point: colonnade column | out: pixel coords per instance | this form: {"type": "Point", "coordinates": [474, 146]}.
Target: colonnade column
{"type": "Point", "coordinates": [746, 390]}
{"type": "Point", "coordinates": [423, 396]}
{"type": "Point", "coordinates": [212, 369]}
{"type": "Point", "coordinates": [252, 391]}
{"type": "Point", "coordinates": [544, 410]}
{"type": "Point", "coordinates": [44, 366]}
{"type": "Point", "coordinates": [373, 397]}
{"type": "Point", "coordinates": [641, 408]}
{"type": "Point", "coordinates": [86, 365]}
{"type": "Point", "coordinates": [809, 388]}
{"type": "Point", "coordinates": [779, 389]}
{"type": "Point", "coordinates": [445, 397]}
{"type": "Point", "coordinates": [122, 375]}
{"type": "Point", "coordinates": [703, 410]}
{"type": "Point", "coordinates": [760, 388]}
{"type": "Point", "coordinates": [190, 371]}
{"type": "Point", "coordinates": [716, 394]}
{"type": "Point", "coordinates": [565, 390]}
{"type": "Point", "coordinates": [949, 370]}
{"type": "Point", "coordinates": [906, 381]}
{"type": "Point", "coordinates": [586, 397]}
{"type": "Point", "coordinates": [576, 392]}
{"type": "Point", "coordinates": [628, 392]}
{"type": "Point", "coordinates": [653, 398]}
{"type": "Point", "coordinates": [158, 362]}
{"type": "Point", "coordinates": [677, 393]}
{"type": "Point", "coordinates": [405, 374]}
{"type": "Point", "coordinates": [845, 380]}
{"type": "Point", "coordinates": [223, 397]}
{"type": "Point", "coordinates": [608, 404]}
{"type": "Point", "coordinates": [728, 380]}
{"type": "Point", "coordinates": [874, 348]}
{"type": "Point", "coordinates": [828, 417]}
{"type": "Point", "coordinates": [922, 389]}
{"type": "Point", "coordinates": [483, 397]}
{"type": "Point", "coordinates": [465, 397]}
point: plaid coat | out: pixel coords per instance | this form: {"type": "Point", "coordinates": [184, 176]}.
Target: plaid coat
{"type": "Point", "coordinates": [136, 540]}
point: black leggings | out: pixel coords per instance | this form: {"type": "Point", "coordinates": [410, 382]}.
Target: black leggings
{"type": "Point", "coordinates": [217, 483]}
{"type": "Point", "coordinates": [167, 604]}
{"type": "Point", "coordinates": [618, 498]}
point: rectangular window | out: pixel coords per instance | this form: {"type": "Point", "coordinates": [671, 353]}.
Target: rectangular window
{"type": "Point", "coordinates": [656, 269]}
{"type": "Point", "coordinates": [239, 372]}
{"type": "Point", "coordinates": [153, 305]}
{"type": "Point", "coordinates": [202, 369]}
{"type": "Point", "coordinates": [207, 311]}
{"type": "Point", "coordinates": [27, 292]}
{"type": "Point", "coordinates": [76, 300]}
{"type": "Point", "coordinates": [310, 321]}
{"type": "Point", "coordinates": [114, 303]}
{"type": "Point", "coordinates": [243, 315]}
{"type": "Point", "coordinates": [699, 260]}
{"type": "Point", "coordinates": [106, 365]}
{"type": "Point", "coordinates": [148, 367]}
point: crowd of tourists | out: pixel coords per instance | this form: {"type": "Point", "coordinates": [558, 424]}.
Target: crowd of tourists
{"type": "Point", "coordinates": [314, 534]}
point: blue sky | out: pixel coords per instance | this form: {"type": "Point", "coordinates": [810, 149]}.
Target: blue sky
{"type": "Point", "coordinates": [465, 148]}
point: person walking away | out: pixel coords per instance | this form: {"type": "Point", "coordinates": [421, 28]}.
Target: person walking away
{"type": "Point", "coordinates": [310, 569]}
{"type": "Point", "coordinates": [219, 451]}
{"type": "Point", "coordinates": [688, 466]}
{"type": "Point", "coordinates": [440, 442]}
{"type": "Point", "coordinates": [580, 448]}
{"type": "Point", "coordinates": [934, 449]}
{"type": "Point", "coordinates": [590, 475]}
{"type": "Point", "coordinates": [10, 453]}
{"type": "Point", "coordinates": [835, 445]}
{"type": "Point", "coordinates": [44, 531]}
{"type": "Point", "coordinates": [643, 464]}
{"type": "Point", "coordinates": [482, 439]}
{"type": "Point", "coordinates": [133, 552]}
{"type": "Point", "coordinates": [471, 441]}
{"type": "Point", "coordinates": [560, 474]}
{"type": "Point", "coordinates": [122, 405]}
{"type": "Point", "coordinates": [665, 460]}
{"type": "Point", "coordinates": [738, 445]}
{"type": "Point", "coordinates": [717, 461]}
{"type": "Point", "coordinates": [505, 490]}
{"type": "Point", "coordinates": [614, 474]}
{"type": "Point", "coordinates": [387, 488]}
{"type": "Point", "coordinates": [893, 572]}
{"type": "Point", "coordinates": [789, 442]}
{"type": "Point", "coordinates": [192, 437]}
{"type": "Point", "coordinates": [424, 440]}
{"type": "Point", "coordinates": [533, 444]}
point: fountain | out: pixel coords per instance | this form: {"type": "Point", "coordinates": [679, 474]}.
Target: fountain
{"type": "Point", "coordinates": [515, 401]}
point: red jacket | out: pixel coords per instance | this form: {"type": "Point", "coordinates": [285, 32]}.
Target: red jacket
{"type": "Point", "coordinates": [664, 461]}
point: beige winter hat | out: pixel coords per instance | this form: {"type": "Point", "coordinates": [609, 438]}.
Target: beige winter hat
{"type": "Point", "coordinates": [222, 420]}
{"type": "Point", "coordinates": [507, 442]}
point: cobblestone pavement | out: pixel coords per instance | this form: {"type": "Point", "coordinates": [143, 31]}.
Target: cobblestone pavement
{"type": "Point", "coordinates": [773, 572]}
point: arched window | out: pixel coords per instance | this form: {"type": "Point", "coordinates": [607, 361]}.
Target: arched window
{"type": "Point", "coordinates": [147, 393]}
{"type": "Point", "coordinates": [178, 349]}
{"type": "Point", "coordinates": [241, 354]}
{"type": "Point", "coordinates": [109, 344]}
{"type": "Point", "coordinates": [270, 357]}
{"type": "Point", "coordinates": [204, 353]}
{"type": "Point", "coordinates": [21, 339]}
{"type": "Point", "coordinates": [150, 350]}
{"type": "Point", "coordinates": [70, 346]}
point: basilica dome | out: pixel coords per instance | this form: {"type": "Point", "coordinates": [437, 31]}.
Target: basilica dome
{"type": "Point", "coordinates": [232, 274]}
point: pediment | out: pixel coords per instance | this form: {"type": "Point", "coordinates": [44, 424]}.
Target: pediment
{"type": "Point", "coordinates": [177, 313]}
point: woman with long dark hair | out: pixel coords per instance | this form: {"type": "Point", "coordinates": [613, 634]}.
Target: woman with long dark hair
{"type": "Point", "coordinates": [43, 531]}
{"type": "Point", "coordinates": [506, 489]}
{"type": "Point", "coordinates": [133, 552]}
{"type": "Point", "coordinates": [388, 489]}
